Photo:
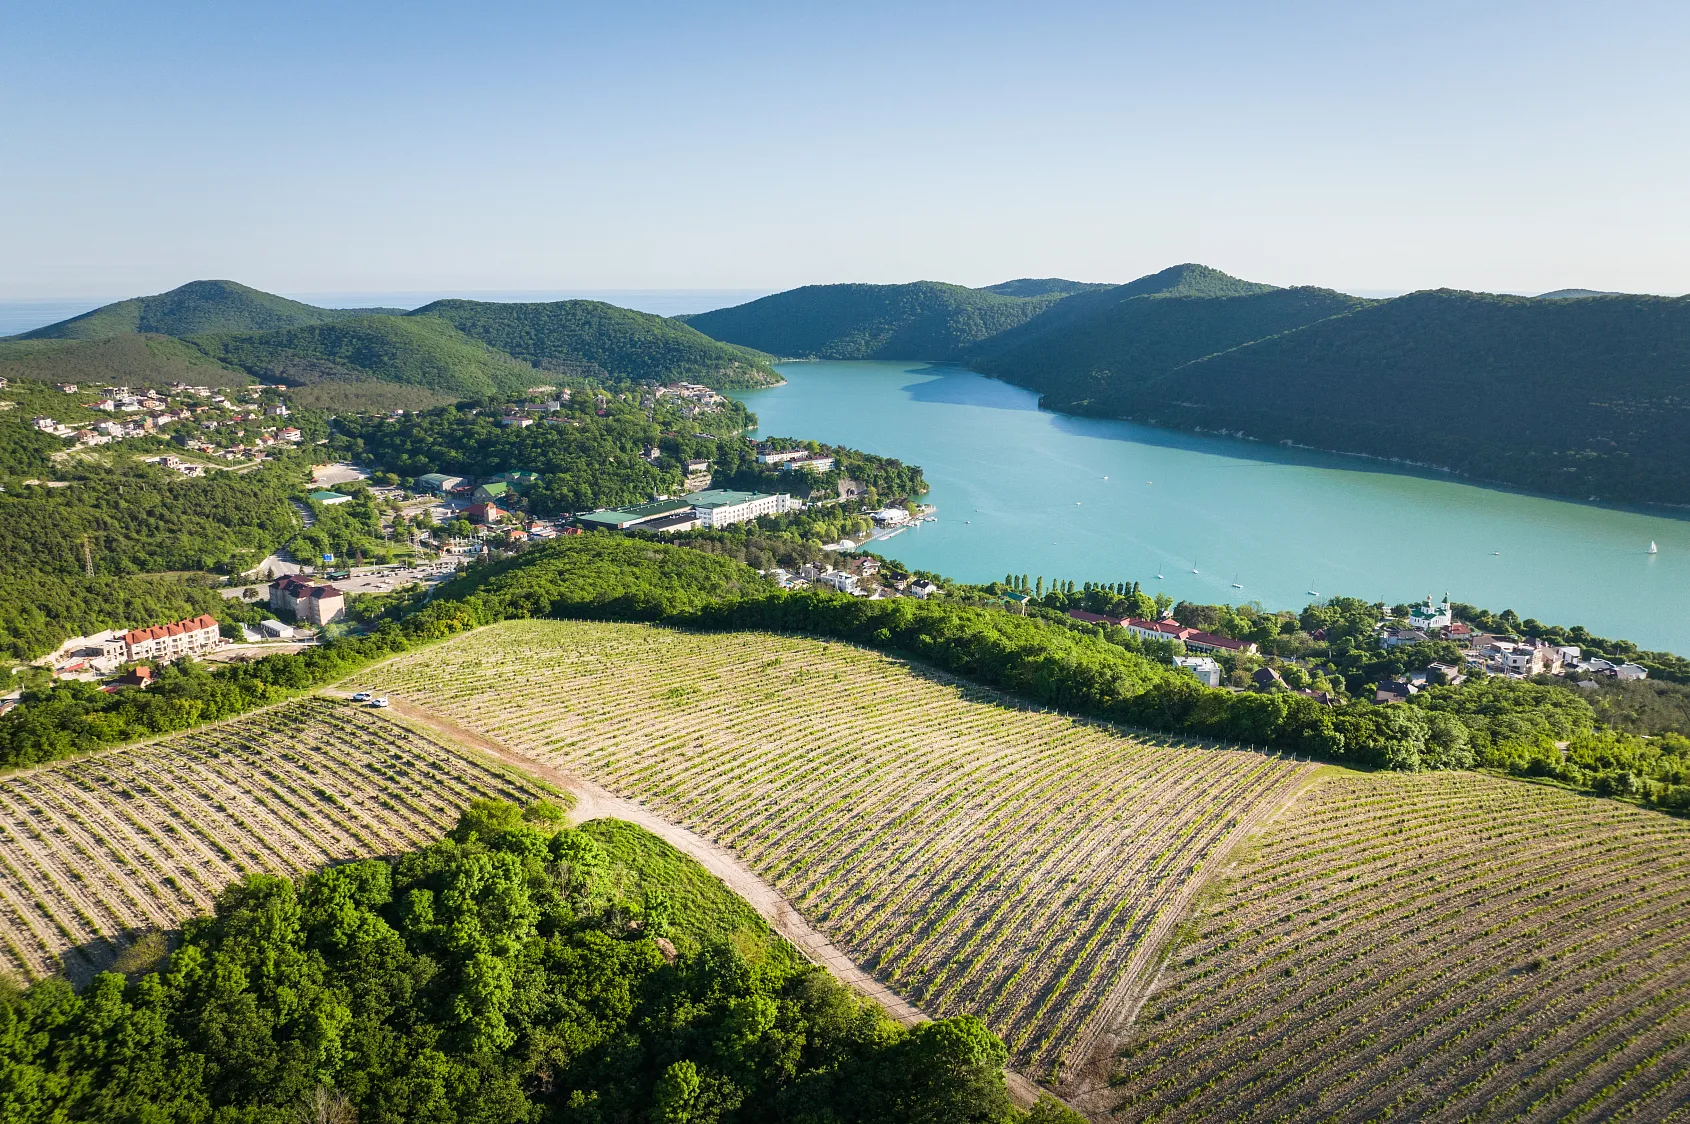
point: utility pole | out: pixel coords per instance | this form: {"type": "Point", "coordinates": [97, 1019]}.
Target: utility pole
{"type": "Point", "coordinates": [87, 558]}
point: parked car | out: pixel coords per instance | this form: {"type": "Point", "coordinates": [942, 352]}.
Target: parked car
{"type": "Point", "coordinates": [379, 702]}
{"type": "Point", "coordinates": [362, 696]}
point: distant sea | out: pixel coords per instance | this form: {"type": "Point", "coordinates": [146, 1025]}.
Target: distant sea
{"type": "Point", "coordinates": [24, 315]}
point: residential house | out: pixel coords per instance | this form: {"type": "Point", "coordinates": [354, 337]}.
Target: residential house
{"type": "Point", "coordinates": [1398, 637]}
{"type": "Point", "coordinates": [922, 589]}
{"type": "Point", "coordinates": [1207, 671]}
{"type": "Point", "coordinates": [1395, 691]}
{"type": "Point", "coordinates": [840, 580]}
{"type": "Point", "coordinates": [485, 513]}
{"type": "Point", "coordinates": [1267, 679]}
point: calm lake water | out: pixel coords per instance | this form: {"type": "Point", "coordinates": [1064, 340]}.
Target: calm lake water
{"type": "Point", "coordinates": [1022, 490]}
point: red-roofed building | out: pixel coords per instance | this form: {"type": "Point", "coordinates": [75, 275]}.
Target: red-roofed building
{"type": "Point", "coordinates": [307, 601]}
{"type": "Point", "coordinates": [1193, 640]}
{"type": "Point", "coordinates": [172, 641]}
{"type": "Point", "coordinates": [484, 513]}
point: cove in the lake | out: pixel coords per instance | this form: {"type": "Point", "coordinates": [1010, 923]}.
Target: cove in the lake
{"type": "Point", "coordinates": [1023, 490]}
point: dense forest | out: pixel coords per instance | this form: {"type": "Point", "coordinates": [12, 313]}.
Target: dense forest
{"type": "Point", "coordinates": [422, 352]}
{"type": "Point", "coordinates": [517, 970]}
{"type": "Point", "coordinates": [605, 341]}
{"type": "Point", "coordinates": [924, 320]}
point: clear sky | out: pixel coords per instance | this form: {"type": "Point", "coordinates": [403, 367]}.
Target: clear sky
{"type": "Point", "coordinates": [353, 146]}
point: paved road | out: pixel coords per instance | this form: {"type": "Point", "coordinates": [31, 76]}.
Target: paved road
{"type": "Point", "coordinates": [594, 802]}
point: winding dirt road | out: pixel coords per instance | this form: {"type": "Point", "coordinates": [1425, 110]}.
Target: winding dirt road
{"type": "Point", "coordinates": [594, 802]}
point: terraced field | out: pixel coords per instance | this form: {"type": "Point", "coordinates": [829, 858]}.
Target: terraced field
{"type": "Point", "coordinates": [973, 855]}
{"type": "Point", "coordinates": [98, 849]}
{"type": "Point", "coordinates": [1436, 947]}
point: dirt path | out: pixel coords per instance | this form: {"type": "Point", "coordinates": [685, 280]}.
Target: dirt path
{"type": "Point", "coordinates": [594, 802]}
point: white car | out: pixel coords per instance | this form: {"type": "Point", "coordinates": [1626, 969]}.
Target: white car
{"type": "Point", "coordinates": [362, 696]}
{"type": "Point", "coordinates": [381, 702]}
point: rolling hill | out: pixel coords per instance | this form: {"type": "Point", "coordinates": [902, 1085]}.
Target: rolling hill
{"type": "Point", "coordinates": [424, 352]}
{"type": "Point", "coordinates": [195, 308]}
{"type": "Point", "coordinates": [922, 320]}
{"type": "Point", "coordinates": [127, 360]}
{"type": "Point", "coordinates": [598, 337]}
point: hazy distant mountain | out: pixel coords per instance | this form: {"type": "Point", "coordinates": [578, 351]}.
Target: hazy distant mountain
{"type": "Point", "coordinates": [1041, 287]}
{"type": "Point", "coordinates": [922, 320]}
{"type": "Point", "coordinates": [1574, 294]}
{"type": "Point", "coordinates": [199, 306]}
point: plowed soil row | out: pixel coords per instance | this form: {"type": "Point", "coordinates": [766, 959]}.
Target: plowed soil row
{"type": "Point", "coordinates": [95, 850]}
{"type": "Point", "coordinates": [974, 855]}
{"type": "Point", "coordinates": [1435, 947]}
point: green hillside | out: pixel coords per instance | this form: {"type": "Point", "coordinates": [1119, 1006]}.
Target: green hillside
{"type": "Point", "coordinates": [923, 320]}
{"type": "Point", "coordinates": [423, 351]}
{"type": "Point", "coordinates": [1042, 287]}
{"type": "Point", "coordinates": [1090, 352]}
{"type": "Point", "coordinates": [130, 360]}
{"type": "Point", "coordinates": [1581, 397]}
{"type": "Point", "coordinates": [596, 339]}
{"type": "Point", "coordinates": [193, 309]}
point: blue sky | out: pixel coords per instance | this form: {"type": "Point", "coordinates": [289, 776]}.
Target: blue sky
{"type": "Point", "coordinates": [367, 147]}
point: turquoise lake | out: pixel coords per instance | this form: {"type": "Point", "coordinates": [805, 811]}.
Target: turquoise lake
{"type": "Point", "coordinates": [1023, 490]}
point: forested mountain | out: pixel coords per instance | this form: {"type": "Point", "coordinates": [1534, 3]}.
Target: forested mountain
{"type": "Point", "coordinates": [1573, 393]}
{"type": "Point", "coordinates": [602, 339]}
{"type": "Point", "coordinates": [1582, 397]}
{"type": "Point", "coordinates": [1086, 352]}
{"type": "Point", "coordinates": [198, 306]}
{"type": "Point", "coordinates": [1042, 287]}
{"type": "Point", "coordinates": [922, 320]}
{"type": "Point", "coordinates": [129, 360]}
{"type": "Point", "coordinates": [421, 351]}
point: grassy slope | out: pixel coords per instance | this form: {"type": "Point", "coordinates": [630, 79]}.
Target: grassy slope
{"type": "Point", "coordinates": [191, 309]}
{"type": "Point", "coordinates": [424, 352]}
{"type": "Point", "coordinates": [923, 320]}
{"type": "Point", "coordinates": [706, 911]}
{"type": "Point", "coordinates": [563, 335]}
{"type": "Point", "coordinates": [1579, 397]}
{"type": "Point", "coordinates": [1469, 943]}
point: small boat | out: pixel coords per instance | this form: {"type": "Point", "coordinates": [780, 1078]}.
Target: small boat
{"type": "Point", "coordinates": [1496, 552]}
{"type": "Point", "coordinates": [1158, 577]}
{"type": "Point", "coordinates": [1653, 549]}
{"type": "Point", "coordinates": [1195, 570]}
{"type": "Point", "coordinates": [1235, 584]}
{"type": "Point", "coordinates": [1312, 592]}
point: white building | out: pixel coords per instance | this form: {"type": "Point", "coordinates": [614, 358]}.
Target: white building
{"type": "Point", "coordinates": [891, 516]}
{"type": "Point", "coordinates": [782, 456]}
{"type": "Point", "coordinates": [922, 588]}
{"type": "Point", "coordinates": [840, 580]}
{"type": "Point", "coordinates": [721, 508]}
{"type": "Point", "coordinates": [1208, 672]}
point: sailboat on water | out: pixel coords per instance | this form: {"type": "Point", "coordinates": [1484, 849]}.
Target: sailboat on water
{"type": "Point", "coordinates": [1653, 549]}
{"type": "Point", "coordinates": [1235, 584]}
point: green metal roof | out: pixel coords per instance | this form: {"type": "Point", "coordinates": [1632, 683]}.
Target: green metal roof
{"type": "Point", "coordinates": [637, 514]}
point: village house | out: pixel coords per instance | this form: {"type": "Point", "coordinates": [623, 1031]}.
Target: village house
{"type": "Point", "coordinates": [1207, 671]}
{"type": "Point", "coordinates": [485, 513]}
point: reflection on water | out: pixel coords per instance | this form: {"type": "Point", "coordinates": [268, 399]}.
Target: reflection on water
{"type": "Point", "coordinates": [1021, 490]}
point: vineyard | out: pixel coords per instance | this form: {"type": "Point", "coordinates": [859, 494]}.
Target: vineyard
{"type": "Point", "coordinates": [1440, 947]}
{"type": "Point", "coordinates": [974, 855]}
{"type": "Point", "coordinates": [97, 851]}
